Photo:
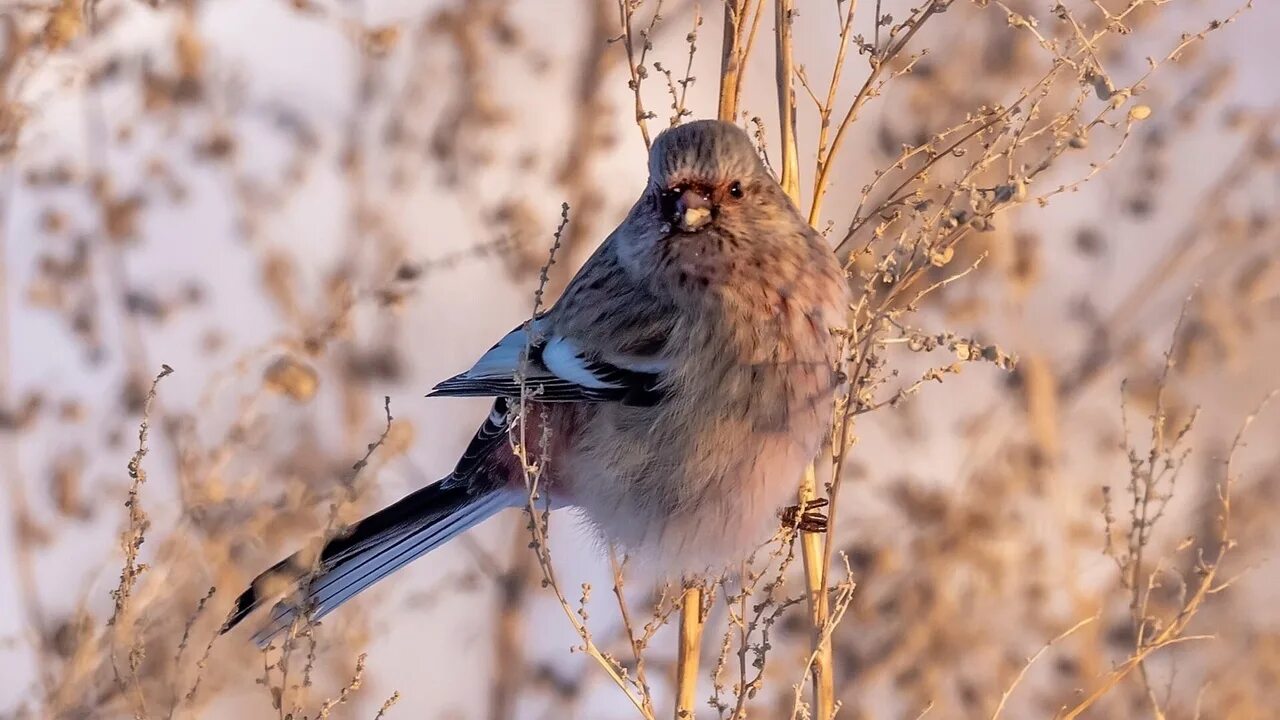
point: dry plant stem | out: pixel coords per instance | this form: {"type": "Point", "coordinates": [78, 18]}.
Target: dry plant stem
{"type": "Point", "coordinates": [539, 517]}
{"type": "Point", "coordinates": [537, 526]}
{"type": "Point", "coordinates": [689, 651]}
{"type": "Point", "coordinates": [1206, 576]}
{"type": "Point", "coordinates": [637, 643]}
{"type": "Point", "coordinates": [878, 62]}
{"type": "Point", "coordinates": [131, 540]}
{"type": "Point", "coordinates": [731, 59]}
{"type": "Point", "coordinates": [626, 11]}
{"type": "Point", "coordinates": [1122, 671]}
{"type": "Point", "coordinates": [822, 643]}
{"type": "Point", "coordinates": [736, 52]}
{"type": "Point", "coordinates": [182, 647]}
{"type": "Point", "coordinates": [1123, 328]}
{"type": "Point", "coordinates": [1042, 86]}
{"type": "Point", "coordinates": [302, 627]}
{"type": "Point", "coordinates": [680, 106]}
{"type": "Point", "coordinates": [951, 239]}
{"type": "Point", "coordinates": [825, 109]}
{"type": "Point", "coordinates": [815, 575]}
{"type": "Point", "coordinates": [790, 176]}
{"type": "Point", "coordinates": [811, 543]}
{"type": "Point", "coordinates": [1004, 698]}
{"type": "Point", "coordinates": [357, 679]}
{"type": "Point", "coordinates": [1162, 466]}
{"type": "Point", "coordinates": [387, 704]}
{"type": "Point", "coordinates": [757, 619]}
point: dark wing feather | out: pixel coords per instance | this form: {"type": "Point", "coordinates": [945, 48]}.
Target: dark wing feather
{"type": "Point", "coordinates": [553, 370]}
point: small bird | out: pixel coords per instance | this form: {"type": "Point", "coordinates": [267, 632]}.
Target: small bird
{"type": "Point", "coordinates": [674, 393]}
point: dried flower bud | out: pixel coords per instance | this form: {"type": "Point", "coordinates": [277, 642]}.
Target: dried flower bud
{"type": "Point", "coordinates": [291, 377]}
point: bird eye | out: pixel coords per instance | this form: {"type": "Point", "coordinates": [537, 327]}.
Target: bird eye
{"type": "Point", "coordinates": [667, 201]}
{"type": "Point", "coordinates": [736, 189]}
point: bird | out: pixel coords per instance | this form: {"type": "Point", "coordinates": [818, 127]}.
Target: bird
{"type": "Point", "coordinates": [674, 392]}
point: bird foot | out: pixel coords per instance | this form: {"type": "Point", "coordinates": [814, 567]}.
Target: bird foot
{"type": "Point", "coordinates": [811, 519]}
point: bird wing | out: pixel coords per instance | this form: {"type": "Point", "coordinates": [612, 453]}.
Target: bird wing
{"type": "Point", "coordinates": [554, 368]}
{"type": "Point", "coordinates": [604, 341]}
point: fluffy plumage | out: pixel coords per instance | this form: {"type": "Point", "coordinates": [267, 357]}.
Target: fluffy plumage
{"type": "Point", "coordinates": [687, 375]}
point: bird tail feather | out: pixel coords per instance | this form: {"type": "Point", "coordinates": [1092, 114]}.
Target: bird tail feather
{"type": "Point", "coordinates": [369, 551]}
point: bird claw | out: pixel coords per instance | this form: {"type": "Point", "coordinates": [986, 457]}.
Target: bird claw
{"type": "Point", "coordinates": [811, 519]}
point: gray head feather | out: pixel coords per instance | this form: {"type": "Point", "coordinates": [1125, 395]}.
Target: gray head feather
{"type": "Point", "coordinates": [707, 150]}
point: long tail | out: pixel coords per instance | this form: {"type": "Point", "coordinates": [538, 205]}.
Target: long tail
{"type": "Point", "coordinates": [373, 549]}
{"type": "Point", "coordinates": [385, 541]}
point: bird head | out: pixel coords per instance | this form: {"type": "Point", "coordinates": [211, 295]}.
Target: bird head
{"type": "Point", "coordinates": [702, 173]}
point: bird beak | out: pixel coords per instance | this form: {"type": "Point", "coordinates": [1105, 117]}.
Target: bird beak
{"type": "Point", "coordinates": [693, 210]}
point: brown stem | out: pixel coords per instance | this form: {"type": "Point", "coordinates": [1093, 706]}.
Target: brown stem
{"type": "Point", "coordinates": [637, 642]}
{"type": "Point", "coordinates": [690, 648]}
{"type": "Point", "coordinates": [731, 59]}
{"type": "Point", "coordinates": [864, 93]}
{"type": "Point", "coordinates": [812, 545]}
{"type": "Point", "coordinates": [790, 179]}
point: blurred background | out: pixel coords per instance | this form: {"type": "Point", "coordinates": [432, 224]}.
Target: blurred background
{"type": "Point", "coordinates": [304, 206]}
